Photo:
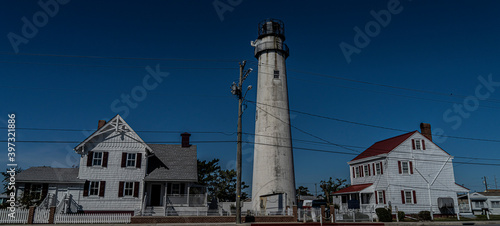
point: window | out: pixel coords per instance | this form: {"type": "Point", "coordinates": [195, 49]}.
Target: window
{"type": "Point", "coordinates": [378, 168]}
{"type": "Point", "coordinates": [408, 197]}
{"type": "Point", "coordinates": [405, 167]}
{"type": "Point", "coordinates": [97, 159]}
{"type": "Point", "coordinates": [417, 145]}
{"type": "Point", "coordinates": [495, 204]}
{"type": "Point", "coordinates": [131, 159]}
{"type": "Point", "coordinates": [367, 170]}
{"type": "Point", "coordinates": [94, 188]}
{"type": "Point", "coordinates": [176, 189]}
{"type": "Point", "coordinates": [344, 198]}
{"type": "Point", "coordinates": [276, 74]}
{"type": "Point", "coordinates": [128, 189]}
{"type": "Point", "coordinates": [36, 191]}
{"type": "Point", "coordinates": [365, 198]}
{"type": "Point", "coordinates": [357, 171]}
{"type": "Point", "coordinates": [380, 197]}
{"type": "Point", "coordinates": [479, 204]}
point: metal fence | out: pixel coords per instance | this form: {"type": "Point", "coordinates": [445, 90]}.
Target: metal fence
{"type": "Point", "coordinates": [309, 215]}
{"type": "Point", "coordinates": [353, 215]}
{"type": "Point", "coordinates": [92, 218]}
{"type": "Point", "coordinates": [20, 216]}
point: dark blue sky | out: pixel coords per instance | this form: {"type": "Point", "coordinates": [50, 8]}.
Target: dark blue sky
{"type": "Point", "coordinates": [439, 47]}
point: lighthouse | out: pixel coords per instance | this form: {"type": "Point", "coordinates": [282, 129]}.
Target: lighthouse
{"type": "Point", "coordinates": [273, 184]}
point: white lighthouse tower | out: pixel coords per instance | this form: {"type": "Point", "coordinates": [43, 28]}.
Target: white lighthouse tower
{"type": "Point", "coordinates": [273, 185]}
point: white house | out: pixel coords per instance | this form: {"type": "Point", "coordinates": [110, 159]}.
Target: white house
{"type": "Point", "coordinates": [408, 172]}
{"type": "Point", "coordinates": [119, 172]}
{"type": "Point", "coordinates": [488, 201]}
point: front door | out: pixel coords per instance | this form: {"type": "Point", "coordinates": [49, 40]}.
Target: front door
{"type": "Point", "coordinates": [155, 195]}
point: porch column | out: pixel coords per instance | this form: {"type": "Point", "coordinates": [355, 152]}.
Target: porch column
{"type": "Point", "coordinates": [360, 203]}
{"type": "Point", "coordinates": [188, 194]}
{"type": "Point", "coordinates": [470, 204]}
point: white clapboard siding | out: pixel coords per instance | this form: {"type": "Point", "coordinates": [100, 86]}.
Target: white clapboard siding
{"type": "Point", "coordinates": [92, 218]}
{"type": "Point", "coordinates": [21, 216]}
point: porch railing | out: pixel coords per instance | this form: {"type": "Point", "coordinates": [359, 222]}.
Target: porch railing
{"type": "Point", "coordinates": [187, 200]}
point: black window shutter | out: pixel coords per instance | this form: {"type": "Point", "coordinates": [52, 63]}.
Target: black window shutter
{"type": "Point", "coordinates": [105, 159]}
{"type": "Point", "coordinates": [102, 187]}
{"type": "Point", "coordinates": [183, 187]}
{"type": "Point", "coordinates": [27, 188]}
{"type": "Point", "coordinates": [45, 190]}
{"type": "Point", "coordinates": [120, 189]}
{"type": "Point", "coordinates": [86, 188]}
{"type": "Point", "coordinates": [139, 160]}
{"type": "Point", "coordinates": [124, 159]}
{"type": "Point", "coordinates": [90, 155]}
{"type": "Point", "coordinates": [136, 189]}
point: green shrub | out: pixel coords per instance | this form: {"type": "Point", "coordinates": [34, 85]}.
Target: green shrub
{"type": "Point", "coordinates": [383, 215]}
{"type": "Point", "coordinates": [401, 215]}
{"type": "Point", "coordinates": [424, 215]}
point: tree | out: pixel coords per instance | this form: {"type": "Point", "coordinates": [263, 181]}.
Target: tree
{"type": "Point", "coordinates": [303, 191]}
{"type": "Point", "coordinates": [331, 186]}
{"type": "Point", "coordinates": [221, 184]}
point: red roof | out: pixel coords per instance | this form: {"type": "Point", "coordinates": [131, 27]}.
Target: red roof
{"type": "Point", "coordinates": [384, 146]}
{"type": "Point", "coordinates": [462, 186]}
{"type": "Point", "coordinates": [353, 188]}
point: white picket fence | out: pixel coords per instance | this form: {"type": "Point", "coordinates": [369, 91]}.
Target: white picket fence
{"type": "Point", "coordinates": [92, 218]}
{"type": "Point", "coordinates": [20, 216]}
{"type": "Point", "coordinates": [41, 216]}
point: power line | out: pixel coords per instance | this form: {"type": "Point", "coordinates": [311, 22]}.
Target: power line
{"type": "Point", "coordinates": [124, 142]}
{"type": "Point", "coordinates": [370, 125]}
{"type": "Point", "coordinates": [380, 151]}
{"type": "Point", "coordinates": [117, 66]}
{"type": "Point", "coordinates": [349, 153]}
{"type": "Point", "coordinates": [120, 58]}
{"type": "Point", "coordinates": [375, 84]}
{"type": "Point", "coordinates": [310, 134]}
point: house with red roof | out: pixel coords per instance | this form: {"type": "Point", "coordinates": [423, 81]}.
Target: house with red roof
{"type": "Point", "coordinates": [408, 172]}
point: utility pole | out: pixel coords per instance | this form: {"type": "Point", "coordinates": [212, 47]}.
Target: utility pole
{"type": "Point", "coordinates": [485, 183]}
{"type": "Point", "coordinates": [236, 89]}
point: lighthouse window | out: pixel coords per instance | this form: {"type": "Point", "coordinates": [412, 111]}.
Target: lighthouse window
{"type": "Point", "coordinates": [276, 74]}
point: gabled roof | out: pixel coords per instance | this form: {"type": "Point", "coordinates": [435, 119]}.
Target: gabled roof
{"type": "Point", "coordinates": [384, 146]}
{"type": "Point", "coordinates": [462, 186]}
{"type": "Point", "coordinates": [45, 174]}
{"type": "Point", "coordinates": [491, 192]}
{"type": "Point", "coordinates": [353, 189]}
{"type": "Point", "coordinates": [176, 163]}
{"type": "Point", "coordinates": [115, 124]}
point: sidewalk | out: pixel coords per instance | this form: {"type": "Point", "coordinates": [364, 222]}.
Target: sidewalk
{"type": "Point", "coordinates": [444, 223]}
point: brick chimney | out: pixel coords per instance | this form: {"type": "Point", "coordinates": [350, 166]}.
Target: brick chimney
{"type": "Point", "coordinates": [101, 123]}
{"type": "Point", "coordinates": [185, 140]}
{"type": "Point", "coordinates": [425, 129]}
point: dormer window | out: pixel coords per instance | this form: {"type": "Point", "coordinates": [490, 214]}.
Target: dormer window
{"type": "Point", "coordinates": [357, 171]}
{"type": "Point", "coordinates": [378, 168]}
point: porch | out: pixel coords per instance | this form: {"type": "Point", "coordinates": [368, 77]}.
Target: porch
{"type": "Point", "coordinates": [173, 198]}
